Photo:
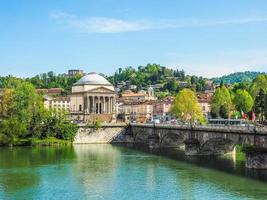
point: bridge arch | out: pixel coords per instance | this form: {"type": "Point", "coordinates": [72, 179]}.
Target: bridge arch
{"type": "Point", "coordinates": [217, 146]}
{"type": "Point", "coordinates": [172, 139]}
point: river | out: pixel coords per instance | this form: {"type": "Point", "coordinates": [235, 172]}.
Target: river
{"type": "Point", "coordinates": [118, 172]}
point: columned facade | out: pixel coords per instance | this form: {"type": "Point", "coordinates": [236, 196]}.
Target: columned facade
{"type": "Point", "coordinates": [93, 98]}
{"type": "Point", "coordinates": [101, 104]}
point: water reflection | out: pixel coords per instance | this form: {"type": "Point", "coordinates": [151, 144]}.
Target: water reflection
{"type": "Point", "coordinates": [118, 172]}
{"type": "Point", "coordinates": [95, 168]}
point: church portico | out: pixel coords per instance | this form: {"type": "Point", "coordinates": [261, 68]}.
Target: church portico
{"type": "Point", "coordinates": [100, 104]}
{"type": "Point", "coordinates": [93, 98]}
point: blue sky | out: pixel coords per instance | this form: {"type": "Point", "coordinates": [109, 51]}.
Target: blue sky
{"type": "Point", "coordinates": [207, 37]}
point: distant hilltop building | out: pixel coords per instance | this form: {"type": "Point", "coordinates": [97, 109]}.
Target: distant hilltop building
{"type": "Point", "coordinates": [51, 91]}
{"type": "Point", "coordinates": [75, 72]}
{"type": "Point", "coordinates": [92, 98]}
{"type": "Point", "coordinates": [141, 95]}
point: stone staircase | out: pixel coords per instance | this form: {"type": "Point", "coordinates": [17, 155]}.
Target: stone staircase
{"type": "Point", "coordinates": [102, 135]}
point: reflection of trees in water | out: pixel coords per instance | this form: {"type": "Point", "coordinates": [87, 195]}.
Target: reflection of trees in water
{"type": "Point", "coordinates": [95, 167]}
{"type": "Point", "coordinates": [18, 157]}
{"type": "Point", "coordinates": [19, 167]}
{"type": "Point", "coordinates": [14, 182]}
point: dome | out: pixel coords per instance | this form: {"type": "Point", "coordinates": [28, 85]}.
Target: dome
{"type": "Point", "coordinates": [93, 79]}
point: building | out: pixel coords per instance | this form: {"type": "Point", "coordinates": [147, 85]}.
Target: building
{"type": "Point", "coordinates": [204, 100]}
{"type": "Point", "coordinates": [92, 98]}
{"type": "Point", "coordinates": [51, 91]}
{"type": "Point", "coordinates": [57, 103]}
{"type": "Point", "coordinates": [142, 95]}
{"type": "Point", "coordinates": [135, 111]}
{"type": "Point", "coordinates": [138, 107]}
{"type": "Point", "coordinates": [75, 72]}
{"type": "Point", "coordinates": [162, 108]}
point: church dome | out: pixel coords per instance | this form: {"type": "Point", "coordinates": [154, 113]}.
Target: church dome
{"type": "Point", "coordinates": [93, 79]}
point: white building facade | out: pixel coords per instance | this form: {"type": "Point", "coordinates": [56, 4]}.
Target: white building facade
{"type": "Point", "coordinates": [92, 98]}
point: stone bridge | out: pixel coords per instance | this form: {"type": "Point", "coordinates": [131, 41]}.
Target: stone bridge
{"type": "Point", "coordinates": [204, 140]}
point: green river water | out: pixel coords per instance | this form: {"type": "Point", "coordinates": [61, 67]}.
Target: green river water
{"type": "Point", "coordinates": [118, 172]}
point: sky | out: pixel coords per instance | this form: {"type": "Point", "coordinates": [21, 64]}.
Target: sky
{"type": "Point", "coordinates": [206, 38]}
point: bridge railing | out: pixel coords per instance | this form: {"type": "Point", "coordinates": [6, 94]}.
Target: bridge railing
{"type": "Point", "coordinates": [215, 128]}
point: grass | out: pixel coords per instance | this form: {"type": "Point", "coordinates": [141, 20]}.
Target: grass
{"type": "Point", "coordinates": [51, 141]}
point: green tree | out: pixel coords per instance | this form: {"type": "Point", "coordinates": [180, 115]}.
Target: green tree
{"type": "Point", "coordinates": [221, 103]}
{"type": "Point", "coordinates": [259, 83]}
{"type": "Point", "coordinates": [186, 107]}
{"type": "Point", "coordinates": [259, 105]}
{"type": "Point", "coordinates": [23, 116]}
{"type": "Point", "coordinates": [243, 101]}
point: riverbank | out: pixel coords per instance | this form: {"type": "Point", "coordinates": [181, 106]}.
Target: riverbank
{"type": "Point", "coordinates": [51, 141]}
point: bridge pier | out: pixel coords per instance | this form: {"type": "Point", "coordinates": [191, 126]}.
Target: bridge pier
{"type": "Point", "coordinates": [153, 141]}
{"type": "Point", "coordinates": [256, 160]}
{"type": "Point", "coordinates": [192, 147]}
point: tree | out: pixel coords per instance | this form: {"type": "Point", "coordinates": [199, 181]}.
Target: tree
{"type": "Point", "coordinates": [23, 116]}
{"type": "Point", "coordinates": [186, 107]}
{"type": "Point", "coordinates": [260, 82]}
{"type": "Point", "coordinates": [221, 103]}
{"type": "Point", "coordinates": [259, 105]}
{"type": "Point", "coordinates": [243, 101]}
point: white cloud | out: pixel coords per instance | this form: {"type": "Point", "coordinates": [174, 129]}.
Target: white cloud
{"type": "Point", "coordinates": [111, 25]}
{"type": "Point", "coordinates": [108, 25]}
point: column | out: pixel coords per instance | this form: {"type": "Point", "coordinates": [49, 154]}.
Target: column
{"type": "Point", "coordinates": [98, 104]}
{"type": "Point", "coordinates": [109, 105]}
{"type": "Point", "coordinates": [89, 105]}
{"type": "Point", "coordinates": [93, 106]}
{"type": "Point", "coordinates": [112, 105]}
{"type": "Point", "coordinates": [104, 105]}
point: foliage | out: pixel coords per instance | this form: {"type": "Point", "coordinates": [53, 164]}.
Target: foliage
{"type": "Point", "coordinates": [259, 83]}
{"type": "Point", "coordinates": [250, 149]}
{"type": "Point", "coordinates": [97, 124]}
{"type": "Point", "coordinates": [23, 116]}
{"type": "Point", "coordinates": [156, 74]}
{"type": "Point", "coordinates": [237, 77]}
{"type": "Point", "coordinates": [259, 104]}
{"type": "Point", "coordinates": [236, 115]}
{"type": "Point", "coordinates": [221, 103]}
{"type": "Point", "coordinates": [48, 141]}
{"type": "Point", "coordinates": [243, 101]}
{"type": "Point", "coordinates": [186, 107]}
{"type": "Point", "coordinates": [241, 86]}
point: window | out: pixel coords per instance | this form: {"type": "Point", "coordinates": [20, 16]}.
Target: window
{"type": "Point", "coordinates": [80, 107]}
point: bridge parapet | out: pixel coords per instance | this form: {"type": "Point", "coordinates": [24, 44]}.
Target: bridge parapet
{"type": "Point", "coordinates": [204, 140]}
{"type": "Point", "coordinates": [208, 128]}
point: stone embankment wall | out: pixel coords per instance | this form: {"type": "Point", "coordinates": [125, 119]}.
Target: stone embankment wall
{"type": "Point", "coordinates": [105, 134]}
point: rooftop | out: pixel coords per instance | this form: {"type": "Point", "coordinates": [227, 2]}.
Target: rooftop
{"type": "Point", "coordinates": [93, 79]}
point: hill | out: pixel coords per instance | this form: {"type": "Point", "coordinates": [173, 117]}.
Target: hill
{"type": "Point", "coordinates": [238, 77]}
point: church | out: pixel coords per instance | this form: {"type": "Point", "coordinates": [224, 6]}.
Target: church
{"type": "Point", "coordinates": [92, 98]}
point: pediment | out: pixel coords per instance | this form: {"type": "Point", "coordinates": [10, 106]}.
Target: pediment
{"type": "Point", "coordinates": [101, 90]}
